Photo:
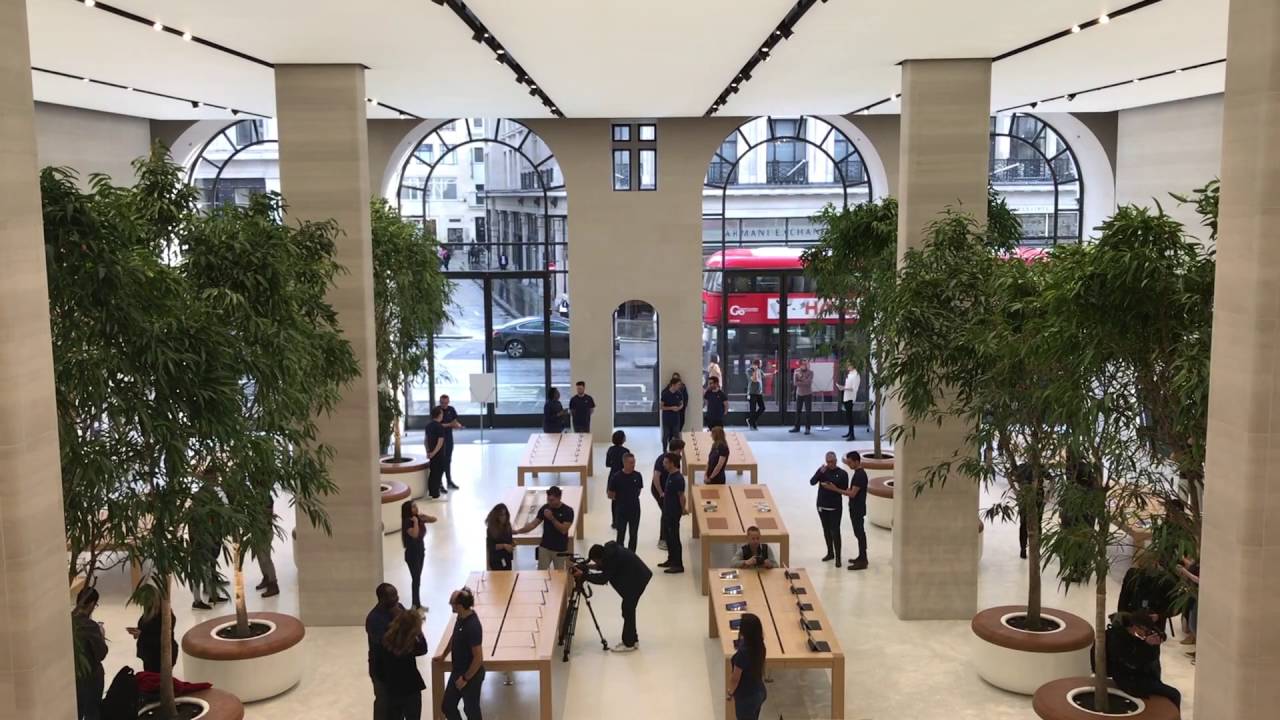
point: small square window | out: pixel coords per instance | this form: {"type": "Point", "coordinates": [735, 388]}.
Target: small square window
{"type": "Point", "coordinates": [477, 155]}
{"type": "Point", "coordinates": [621, 169]}
{"type": "Point", "coordinates": [648, 169]}
{"type": "Point", "coordinates": [648, 132]}
{"type": "Point", "coordinates": [622, 133]}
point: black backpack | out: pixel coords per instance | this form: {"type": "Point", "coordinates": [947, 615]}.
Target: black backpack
{"type": "Point", "coordinates": [121, 702]}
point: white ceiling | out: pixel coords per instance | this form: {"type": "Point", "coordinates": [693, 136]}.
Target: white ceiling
{"type": "Point", "coordinates": [616, 58]}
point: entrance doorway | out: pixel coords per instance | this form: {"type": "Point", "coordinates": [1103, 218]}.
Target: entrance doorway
{"type": "Point", "coordinates": [636, 386]}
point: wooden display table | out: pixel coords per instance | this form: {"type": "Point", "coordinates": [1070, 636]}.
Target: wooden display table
{"type": "Point", "coordinates": [768, 594]}
{"type": "Point", "coordinates": [736, 508]}
{"type": "Point", "coordinates": [697, 452]}
{"type": "Point", "coordinates": [524, 502]}
{"type": "Point", "coordinates": [521, 614]}
{"type": "Point", "coordinates": [558, 453]}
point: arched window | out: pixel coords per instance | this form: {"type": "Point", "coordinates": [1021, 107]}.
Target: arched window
{"type": "Point", "coordinates": [241, 159]}
{"type": "Point", "coordinates": [764, 184]}
{"type": "Point", "coordinates": [493, 195]}
{"type": "Point", "coordinates": [1034, 169]}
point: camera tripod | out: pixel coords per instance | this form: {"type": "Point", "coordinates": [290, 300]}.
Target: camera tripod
{"type": "Point", "coordinates": [580, 591]}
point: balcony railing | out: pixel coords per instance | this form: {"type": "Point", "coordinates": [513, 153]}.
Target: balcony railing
{"type": "Point", "coordinates": [1031, 171]}
{"type": "Point", "coordinates": [787, 172]}
{"type": "Point", "coordinates": [719, 173]}
{"type": "Point", "coordinates": [529, 179]}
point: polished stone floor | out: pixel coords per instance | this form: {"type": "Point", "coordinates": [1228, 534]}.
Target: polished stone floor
{"type": "Point", "coordinates": [896, 670]}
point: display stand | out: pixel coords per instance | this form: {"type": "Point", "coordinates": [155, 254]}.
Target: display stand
{"type": "Point", "coordinates": [483, 388]}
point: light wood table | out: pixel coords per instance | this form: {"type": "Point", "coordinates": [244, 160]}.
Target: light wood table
{"type": "Point", "coordinates": [558, 453]}
{"type": "Point", "coordinates": [521, 614]}
{"type": "Point", "coordinates": [768, 594]}
{"type": "Point", "coordinates": [736, 508]}
{"type": "Point", "coordinates": [697, 452]}
{"type": "Point", "coordinates": [523, 503]}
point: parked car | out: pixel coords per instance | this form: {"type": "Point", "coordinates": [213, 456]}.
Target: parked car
{"type": "Point", "coordinates": [524, 337]}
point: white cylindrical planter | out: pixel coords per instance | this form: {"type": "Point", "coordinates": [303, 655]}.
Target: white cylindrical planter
{"type": "Point", "coordinates": [251, 669]}
{"type": "Point", "coordinates": [1053, 701]}
{"type": "Point", "coordinates": [412, 471]}
{"type": "Point", "coordinates": [880, 502]}
{"type": "Point", "coordinates": [394, 494]}
{"type": "Point", "coordinates": [1021, 661]}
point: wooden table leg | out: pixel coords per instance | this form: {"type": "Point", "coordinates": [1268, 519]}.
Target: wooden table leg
{"type": "Point", "coordinates": [755, 472]}
{"type": "Point", "coordinates": [706, 561]}
{"type": "Point", "coordinates": [544, 690]}
{"type": "Point", "coordinates": [712, 629]}
{"type": "Point", "coordinates": [437, 689]}
{"type": "Point", "coordinates": [519, 478]}
{"type": "Point", "coordinates": [728, 703]}
{"type": "Point", "coordinates": [582, 476]}
{"type": "Point", "coordinates": [837, 687]}
{"type": "Point", "coordinates": [696, 533]}
{"type": "Point", "coordinates": [786, 550]}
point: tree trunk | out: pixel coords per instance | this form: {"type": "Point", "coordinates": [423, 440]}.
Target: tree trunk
{"type": "Point", "coordinates": [395, 424]}
{"type": "Point", "coordinates": [1031, 511]}
{"type": "Point", "coordinates": [168, 705]}
{"type": "Point", "coordinates": [242, 612]}
{"type": "Point", "coordinates": [1101, 698]}
{"type": "Point", "coordinates": [875, 424]}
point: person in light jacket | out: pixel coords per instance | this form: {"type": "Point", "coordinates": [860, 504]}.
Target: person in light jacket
{"type": "Point", "coordinates": [850, 389]}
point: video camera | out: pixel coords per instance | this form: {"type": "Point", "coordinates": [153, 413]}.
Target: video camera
{"type": "Point", "coordinates": [578, 569]}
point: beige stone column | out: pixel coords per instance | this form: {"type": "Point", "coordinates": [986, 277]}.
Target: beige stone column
{"type": "Point", "coordinates": [35, 629]}
{"type": "Point", "coordinates": [943, 162]}
{"type": "Point", "coordinates": [324, 173]}
{"type": "Point", "coordinates": [1239, 633]}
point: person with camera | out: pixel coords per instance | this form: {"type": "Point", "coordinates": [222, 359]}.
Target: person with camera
{"type": "Point", "coordinates": [556, 519]}
{"type": "Point", "coordinates": [615, 565]}
{"type": "Point", "coordinates": [1133, 656]}
{"type": "Point", "coordinates": [466, 648]}
{"type": "Point", "coordinates": [625, 487]}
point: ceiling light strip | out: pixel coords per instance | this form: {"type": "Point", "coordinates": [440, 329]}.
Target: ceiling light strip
{"type": "Point", "coordinates": [1073, 95]}
{"type": "Point", "coordinates": [401, 112]}
{"type": "Point", "coordinates": [501, 55]}
{"type": "Point", "coordinates": [783, 31]}
{"type": "Point", "coordinates": [1102, 19]}
{"type": "Point", "coordinates": [128, 88]}
{"type": "Point", "coordinates": [185, 34]}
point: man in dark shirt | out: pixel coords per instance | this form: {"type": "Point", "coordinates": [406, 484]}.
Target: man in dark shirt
{"type": "Point", "coordinates": [857, 493]}
{"type": "Point", "coordinates": [754, 554]}
{"type": "Point", "coordinates": [556, 519]}
{"type": "Point", "coordinates": [450, 423]}
{"type": "Point", "coordinates": [375, 627]}
{"type": "Point", "coordinates": [672, 405]}
{"type": "Point", "coordinates": [625, 487]}
{"type": "Point", "coordinates": [659, 483]}
{"type": "Point", "coordinates": [802, 381]}
{"type": "Point", "coordinates": [553, 413]}
{"type": "Point", "coordinates": [613, 460]}
{"type": "Point", "coordinates": [628, 575]}
{"type": "Point", "coordinates": [1133, 656]}
{"type": "Point", "coordinates": [832, 484]}
{"type": "Point", "coordinates": [436, 455]}
{"type": "Point", "coordinates": [466, 675]}
{"type": "Point", "coordinates": [581, 405]}
{"type": "Point", "coordinates": [673, 509]}
{"type": "Point", "coordinates": [717, 404]}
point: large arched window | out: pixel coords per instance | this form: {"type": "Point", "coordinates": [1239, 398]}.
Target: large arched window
{"type": "Point", "coordinates": [764, 184]}
{"type": "Point", "coordinates": [493, 195]}
{"type": "Point", "coordinates": [1034, 169]}
{"type": "Point", "coordinates": [241, 159]}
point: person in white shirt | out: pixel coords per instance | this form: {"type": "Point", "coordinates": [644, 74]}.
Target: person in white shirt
{"type": "Point", "coordinates": [850, 389]}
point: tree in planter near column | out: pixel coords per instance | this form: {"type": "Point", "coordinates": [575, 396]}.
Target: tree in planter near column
{"type": "Point", "coordinates": [410, 304]}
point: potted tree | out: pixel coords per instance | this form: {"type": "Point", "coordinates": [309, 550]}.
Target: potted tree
{"type": "Point", "coordinates": [266, 281]}
{"type": "Point", "coordinates": [410, 304]}
{"type": "Point", "coordinates": [853, 266]}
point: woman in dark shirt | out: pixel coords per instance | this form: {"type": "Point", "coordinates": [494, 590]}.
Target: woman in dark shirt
{"type": "Point", "coordinates": [501, 545]}
{"type": "Point", "coordinates": [148, 636]}
{"type": "Point", "coordinates": [718, 457]}
{"type": "Point", "coordinates": [746, 685]}
{"type": "Point", "coordinates": [413, 533]}
{"type": "Point", "coordinates": [553, 413]}
{"type": "Point", "coordinates": [395, 665]}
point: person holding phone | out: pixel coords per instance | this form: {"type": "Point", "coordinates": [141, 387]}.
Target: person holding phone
{"type": "Point", "coordinates": [556, 519]}
{"type": "Point", "coordinates": [833, 484]}
{"type": "Point", "coordinates": [746, 684]}
{"type": "Point", "coordinates": [499, 542]}
{"type": "Point", "coordinates": [754, 554]}
{"type": "Point", "coordinates": [413, 533]}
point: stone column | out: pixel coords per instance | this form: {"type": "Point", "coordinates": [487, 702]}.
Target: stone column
{"type": "Point", "coordinates": [1239, 632]}
{"type": "Point", "coordinates": [35, 629]}
{"type": "Point", "coordinates": [324, 173]}
{"type": "Point", "coordinates": [943, 162]}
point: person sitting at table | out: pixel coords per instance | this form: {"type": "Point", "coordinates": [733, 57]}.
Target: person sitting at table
{"type": "Point", "coordinates": [499, 542]}
{"type": "Point", "coordinates": [754, 554]}
{"type": "Point", "coordinates": [556, 519]}
{"type": "Point", "coordinates": [746, 685]}
{"type": "Point", "coordinates": [718, 457]}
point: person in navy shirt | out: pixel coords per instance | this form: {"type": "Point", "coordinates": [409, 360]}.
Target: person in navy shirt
{"type": "Point", "coordinates": [581, 405]}
{"type": "Point", "coordinates": [673, 509]}
{"type": "Point", "coordinates": [672, 407]}
{"type": "Point", "coordinates": [613, 461]}
{"type": "Point", "coordinates": [718, 458]}
{"type": "Point", "coordinates": [436, 456]}
{"type": "Point", "coordinates": [832, 484]}
{"type": "Point", "coordinates": [857, 493]}
{"type": "Point", "coordinates": [625, 487]}
{"type": "Point", "coordinates": [659, 482]}
{"type": "Point", "coordinates": [553, 413]}
{"type": "Point", "coordinates": [375, 627]}
{"type": "Point", "coordinates": [466, 647]}
{"type": "Point", "coordinates": [556, 519]}
{"type": "Point", "coordinates": [449, 421]}
{"type": "Point", "coordinates": [717, 404]}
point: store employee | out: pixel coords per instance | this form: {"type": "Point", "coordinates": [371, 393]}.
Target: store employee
{"type": "Point", "coordinates": [581, 405]}
{"type": "Point", "coordinates": [833, 484]}
{"type": "Point", "coordinates": [556, 519]}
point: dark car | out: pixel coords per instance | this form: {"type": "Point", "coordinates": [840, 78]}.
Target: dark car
{"type": "Point", "coordinates": [524, 337]}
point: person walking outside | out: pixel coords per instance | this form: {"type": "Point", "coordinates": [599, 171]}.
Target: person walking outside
{"type": "Point", "coordinates": [802, 381]}
{"type": "Point", "coordinates": [395, 664]}
{"type": "Point", "coordinates": [553, 413]}
{"type": "Point", "coordinates": [672, 411]}
{"type": "Point", "coordinates": [449, 421]}
{"type": "Point", "coordinates": [500, 544]}
{"type": "Point", "coordinates": [717, 404]}
{"type": "Point", "coordinates": [673, 509]}
{"type": "Point", "coordinates": [659, 483]}
{"type": "Point", "coordinates": [556, 519]}
{"type": "Point", "coordinates": [849, 388]}
{"type": "Point", "coordinates": [466, 677]}
{"type": "Point", "coordinates": [436, 458]}
{"type": "Point", "coordinates": [755, 394]}
{"type": "Point", "coordinates": [581, 406]}
{"type": "Point", "coordinates": [718, 457]}
{"type": "Point", "coordinates": [413, 533]}
{"type": "Point", "coordinates": [746, 684]}
{"type": "Point", "coordinates": [832, 484]}
{"type": "Point", "coordinates": [625, 487]}
{"type": "Point", "coordinates": [857, 494]}
{"type": "Point", "coordinates": [88, 635]}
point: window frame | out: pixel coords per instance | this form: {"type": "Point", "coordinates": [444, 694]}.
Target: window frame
{"type": "Point", "coordinates": [640, 183]}
{"type": "Point", "coordinates": [631, 175]}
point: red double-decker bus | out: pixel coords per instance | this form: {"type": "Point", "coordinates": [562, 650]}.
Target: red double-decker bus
{"type": "Point", "coordinates": [755, 279]}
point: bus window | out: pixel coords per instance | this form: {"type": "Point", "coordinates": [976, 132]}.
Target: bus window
{"type": "Point", "coordinates": [711, 282]}
{"type": "Point", "coordinates": [740, 284]}
{"type": "Point", "coordinates": [768, 284]}
{"type": "Point", "coordinates": [801, 284]}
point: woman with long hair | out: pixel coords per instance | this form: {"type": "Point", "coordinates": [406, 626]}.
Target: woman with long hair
{"type": "Point", "coordinates": [91, 643]}
{"type": "Point", "coordinates": [746, 685]}
{"type": "Point", "coordinates": [148, 633]}
{"type": "Point", "coordinates": [395, 665]}
{"type": "Point", "coordinates": [413, 532]}
{"type": "Point", "coordinates": [498, 538]}
{"type": "Point", "coordinates": [718, 457]}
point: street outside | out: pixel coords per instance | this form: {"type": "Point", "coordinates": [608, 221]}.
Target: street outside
{"type": "Point", "coordinates": [459, 352]}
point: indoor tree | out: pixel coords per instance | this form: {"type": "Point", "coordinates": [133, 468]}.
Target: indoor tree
{"type": "Point", "coordinates": [410, 304]}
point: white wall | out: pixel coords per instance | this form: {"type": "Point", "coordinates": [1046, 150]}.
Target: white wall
{"type": "Point", "coordinates": [90, 141]}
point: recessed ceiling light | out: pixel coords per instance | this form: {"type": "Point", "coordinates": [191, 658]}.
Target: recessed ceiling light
{"type": "Point", "coordinates": [1137, 80]}
{"type": "Point", "coordinates": [371, 100]}
{"type": "Point", "coordinates": [897, 96]}
{"type": "Point", "coordinates": [1178, 70]}
{"type": "Point", "coordinates": [89, 3]}
{"type": "Point", "coordinates": [500, 51]}
{"type": "Point", "coordinates": [187, 36]}
{"type": "Point", "coordinates": [129, 89]}
{"type": "Point", "coordinates": [157, 26]}
{"type": "Point", "coordinates": [1075, 28]}
{"type": "Point", "coordinates": [1104, 18]}
{"type": "Point", "coordinates": [402, 116]}
{"type": "Point", "coordinates": [1034, 105]}
{"type": "Point", "coordinates": [84, 79]}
